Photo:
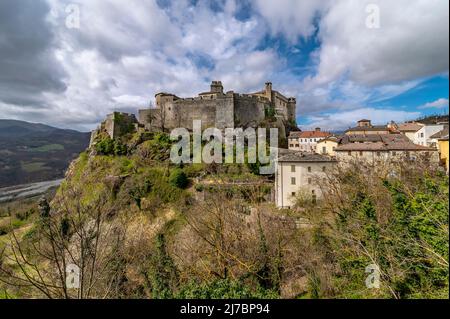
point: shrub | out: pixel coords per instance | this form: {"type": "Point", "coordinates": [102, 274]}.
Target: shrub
{"type": "Point", "coordinates": [119, 148]}
{"type": "Point", "coordinates": [105, 146]}
{"type": "Point", "coordinates": [109, 146]}
{"type": "Point", "coordinates": [178, 178]}
{"type": "Point", "coordinates": [223, 289]}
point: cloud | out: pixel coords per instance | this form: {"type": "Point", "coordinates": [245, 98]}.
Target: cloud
{"type": "Point", "coordinates": [355, 64]}
{"type": "Point", "coordinates": [337, 121]}
{"type": "Point", "coordinates": [28, 66]}
{"type": "Point", "coordinates": [123, 54]}
{"type": "Point", "coordinates": [292, 18]}
{"type": "Point", "coordinates": [412, 41]}
{"type": "Point", "coordinates": [438, 104]}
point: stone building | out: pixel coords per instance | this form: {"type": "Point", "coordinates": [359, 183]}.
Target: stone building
{"type": "Point", "coordinates": [216, 108]}
{"type": "Point", "coordinates": [115, 125]}
{"type": "Point", "coordinates": [382, 148]}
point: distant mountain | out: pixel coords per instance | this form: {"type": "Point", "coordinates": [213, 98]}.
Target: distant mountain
{"type": "Point", "coordinates": [31, 152]}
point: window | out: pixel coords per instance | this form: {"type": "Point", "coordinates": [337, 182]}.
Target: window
{"type": "Point", "coordinates": [293, 194]}
{"type": "Point", "coordinates": [421, 134]}
{"type": "Point", "coordinates": [349, 153]}
{"type": "Point", "coordinates": [309, 180]}
{"type": "Point", "coordinates": [360, 153]}
{"type": "Point", "coordinates": [324, 169]}
{"type": "Point", "coordinates": [309, 169]}
{"type": "Point", "coordinates": [293, 168]}
{"type": "Point", "coordinates": [394, 153]}
{"type": "Point", "coordinates": [292, 180]}
{"type": "Point", "coordinates": [378, 154]}
{"type": "Point", "coordinates": [324, 150]}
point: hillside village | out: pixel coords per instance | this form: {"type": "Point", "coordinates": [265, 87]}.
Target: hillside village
{"type": "Point", "coordinates": [146, 227]}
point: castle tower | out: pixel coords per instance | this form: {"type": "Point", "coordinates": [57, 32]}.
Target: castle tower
{"type": "Point", "coordinates": [291, 109]}
{"type": "Point", "coordinates": [216, 87]}
{"type": "Point", "coordinates": [268, 90]}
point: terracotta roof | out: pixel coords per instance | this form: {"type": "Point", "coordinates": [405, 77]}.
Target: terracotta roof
{"type": "Point", "coordinates": [309, 134]}
{"type": "Point", "coordinates": [285, 155]}
{"type": "Point", "coordinates": [409, 127]}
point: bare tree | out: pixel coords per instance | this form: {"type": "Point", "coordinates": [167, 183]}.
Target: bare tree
{"type": "Point", "coordinates": [71, 237]}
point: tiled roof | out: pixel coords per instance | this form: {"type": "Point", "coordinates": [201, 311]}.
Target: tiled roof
{"type": "Point", "coordinates": [409, 127]}
{"type": "Point", "coordinates": [369, 128]}
{"type": "Point", "coordinates": [384, 142]}
{"type": "Point", "coordinates": [295, 134]}
{"type": "Point", "coordinates": [296, 156]}
{"type": "Point", "coordinates": [309, 134]}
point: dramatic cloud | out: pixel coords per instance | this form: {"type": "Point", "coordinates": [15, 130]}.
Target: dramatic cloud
{"type": "Point", "coordinates": [28, 66]}
{"type": "Point", "coordinates": [411, 41]}
{"type": "Point", "coordinates": [124, 53]}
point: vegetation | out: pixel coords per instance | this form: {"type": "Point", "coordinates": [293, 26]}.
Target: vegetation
{"type": "Point", "coordinates": [178, 178]}
{"type": "Point", "coordinates": [139, 226]}
{"type": "Point", "coordinates": [399, 224]}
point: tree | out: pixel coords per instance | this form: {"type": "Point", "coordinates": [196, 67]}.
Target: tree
{"type": "Point", "coordinates": [72, 237]}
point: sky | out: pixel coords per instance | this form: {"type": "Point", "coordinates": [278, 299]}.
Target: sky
{"type": "Point", "coordinates": [69, 63]}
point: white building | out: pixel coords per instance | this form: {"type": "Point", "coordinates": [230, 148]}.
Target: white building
{"type": "Point", "coordinates": [306, 141]}
{"type": "Point", "coordinates": [300, 172]}
{"type": "Point", "coordinates": [410, 129]}
{"type": "Point", "coordinates": [423, 136]}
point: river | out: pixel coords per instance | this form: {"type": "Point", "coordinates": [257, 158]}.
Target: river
{"type": "Point", "coordinates": [27, 190]}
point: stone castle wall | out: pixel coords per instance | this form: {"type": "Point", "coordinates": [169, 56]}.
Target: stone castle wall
{"type": "Point", "coordinates": [218, 109]}
{"type": "Point", "coordinates": [249, 110]}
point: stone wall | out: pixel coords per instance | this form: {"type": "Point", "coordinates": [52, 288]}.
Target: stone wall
{"type": "Point", "coordinates": [216, 109]}
{"type": "Point", "coordinates": [249, 110]}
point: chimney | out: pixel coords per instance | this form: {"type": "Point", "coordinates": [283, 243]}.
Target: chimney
{"type": "Point", "coordinates": [317, 129]}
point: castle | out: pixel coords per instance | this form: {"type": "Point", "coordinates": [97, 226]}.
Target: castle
{"type": "Point", "coordinates": [215, 109]}
{"type": "Point", "coordinates": [218, 109]}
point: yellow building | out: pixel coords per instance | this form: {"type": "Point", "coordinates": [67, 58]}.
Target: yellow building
{"type": "Point", "coordinates": [327, 146]}
{"type": "Point", "coordinates": [443, 150]}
